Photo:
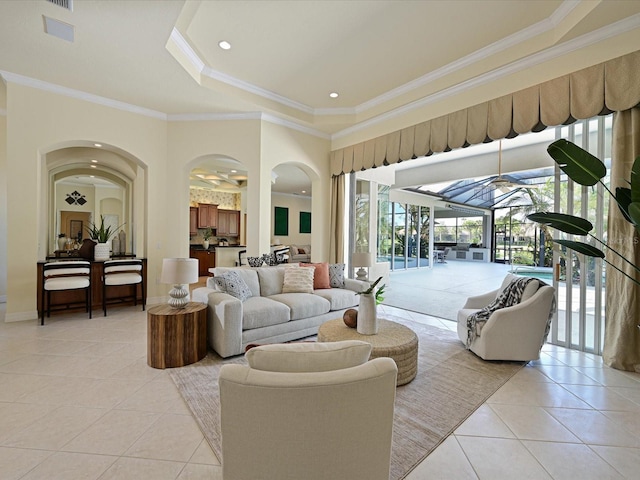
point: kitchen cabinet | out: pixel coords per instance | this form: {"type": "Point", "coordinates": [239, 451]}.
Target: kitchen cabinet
{"type": "Point", "coordinates": [193, 220]}
{"type": "Point", "coordinates": [207, 215]}
{"type": "Point", "coordinates": [228, 223]}
{"type": "Point", "coordinates": [206, 260]}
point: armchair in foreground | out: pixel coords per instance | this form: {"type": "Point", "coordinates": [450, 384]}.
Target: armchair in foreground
{"type": "Point", "coordinates": [307, 410]}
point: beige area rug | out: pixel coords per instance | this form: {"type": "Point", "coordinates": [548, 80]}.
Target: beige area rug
{"type": "Point", "coordinates": [451, 384]}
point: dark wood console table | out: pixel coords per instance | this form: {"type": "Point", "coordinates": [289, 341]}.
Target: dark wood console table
{"type": "Point", "coordinates": [75, 298]}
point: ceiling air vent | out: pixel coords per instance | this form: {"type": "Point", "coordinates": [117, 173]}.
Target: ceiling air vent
{"type": "Point", "coordinates": [68, 4]}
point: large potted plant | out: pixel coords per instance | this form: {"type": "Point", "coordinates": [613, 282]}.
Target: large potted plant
{"type": "Point", "coordinates": [101, 234]}
{"type": "Point", "coordinates": [586, 169]}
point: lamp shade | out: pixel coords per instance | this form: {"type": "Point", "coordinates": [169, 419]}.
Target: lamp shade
{"type": "Point", "coordinates": [179, 271]}
{"type": "Point", "coordinates": [361, 259]}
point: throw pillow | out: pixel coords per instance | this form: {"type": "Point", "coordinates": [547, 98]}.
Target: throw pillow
{"type": "Point", "coordinates": [255, 261]}
{"type": "Point", "coordinates": [269, 259]}
{"type": "Point", "coordinates": [336, 275]}
{"type": "Point", "coordinates": [233, 284]}
{"type": "Point", "coordinates": [298, 280]}
{"type": "Point", "coordinates": [302, 251]}
{"type": "Point", "coordinates": [320, 276]}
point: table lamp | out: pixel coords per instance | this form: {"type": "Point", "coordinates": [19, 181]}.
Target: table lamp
{"type": "Point", "coordinates": [178, 272]}
{"type": "Point", "coordinates": [361, 259]}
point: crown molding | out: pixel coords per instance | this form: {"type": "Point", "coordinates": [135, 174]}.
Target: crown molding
{"type": "Point", "coordinates": [577, 43]}
{"type": "Point", "coordinates": [267, 117]}
{"type": "Point", "coordinates": [184, 46]}
{"type": "Point", "coordinates": [200, 117]}
{"type": "Point", "coordinates": [187, 117]}
{"type": "Point", "coordinates": [89, 97]}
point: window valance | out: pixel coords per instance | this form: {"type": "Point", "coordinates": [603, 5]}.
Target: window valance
{"type": "Point", "coordinates": [607, 87]}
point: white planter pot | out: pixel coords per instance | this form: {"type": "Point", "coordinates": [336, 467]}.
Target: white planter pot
{"type": "Point", "coordinates": [367, 315]}
{"type": "Point", "coordinates": [101, 251]}
{"type": "Point", "coordinates": [205, 244]}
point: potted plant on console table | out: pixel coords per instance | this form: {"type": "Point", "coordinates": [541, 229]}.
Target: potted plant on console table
{"type": "Point", "coordinates": [101, 235]}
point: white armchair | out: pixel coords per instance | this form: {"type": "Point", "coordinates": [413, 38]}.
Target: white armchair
{"type": "Point", "coordinates": [511, 333]}
{"type": "Point", "coordinates": [332, 420]}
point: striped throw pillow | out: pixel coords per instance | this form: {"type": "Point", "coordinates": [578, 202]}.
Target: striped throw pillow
{"type": "Point", "coordinates": [298, 280]}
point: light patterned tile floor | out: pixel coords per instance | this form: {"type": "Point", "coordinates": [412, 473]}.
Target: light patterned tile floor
{"type": "Point", "coordinates": [78, 401]}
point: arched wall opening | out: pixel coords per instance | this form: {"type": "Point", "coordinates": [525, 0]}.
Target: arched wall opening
{"type": "Point", "coordinates": [82, 182]}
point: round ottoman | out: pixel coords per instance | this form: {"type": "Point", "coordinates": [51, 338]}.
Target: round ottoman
{"type": "Point", "coordinates": [392, 340]}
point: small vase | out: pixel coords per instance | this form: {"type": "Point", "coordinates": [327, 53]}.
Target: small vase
{"type": "Point", "coordinates": [367, 315]}
{"type": "Point", "coordinates": [62, 242]}
{"type": "Point", "coordinates": [101, 251]}
{"type": "Point", "coordinates": [205, 244]}
{"type": "Point", "coordinates": [122, 239]}
{"type": "Point", "coordinates": [115, 245]}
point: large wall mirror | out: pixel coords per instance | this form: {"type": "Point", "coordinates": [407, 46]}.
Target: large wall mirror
{"type": "Point", "coordinates": [88, 184]}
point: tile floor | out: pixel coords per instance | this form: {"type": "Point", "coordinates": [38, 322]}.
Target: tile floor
{"type": "Point", "coordinates": [78, 401]}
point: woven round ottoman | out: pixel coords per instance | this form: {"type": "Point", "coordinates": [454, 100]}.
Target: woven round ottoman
{"type": "Point", "coordinates": [392, 340]}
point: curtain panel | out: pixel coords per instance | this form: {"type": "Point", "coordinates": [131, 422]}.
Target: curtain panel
{"type": "Point", "coordinates": [621, 335]}
{"type": "Point", "coordinates": [604, 88]}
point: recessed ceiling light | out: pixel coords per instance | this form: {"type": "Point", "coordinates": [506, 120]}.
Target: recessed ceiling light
{"type": "Point", "coordinates": [97, 145]}
{"type": "Point", "coordinates": [93, 166]}
{"type": "Point", "coordinates": [223, 44]}
{"type": "Point", "coordinates": [234, 171]}
{"type": "Point", "coordinates": [333, 94]}
{"type": "Point", "coordinates": [94, 161]}
{"type": "Point", "coordinates": [304, 191]}
{"type": "Point", "coordinates": [92, 176]}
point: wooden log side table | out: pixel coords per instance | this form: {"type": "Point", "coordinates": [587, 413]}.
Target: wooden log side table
{"type": "Point", "coordinates": [392, 340]}
{"type": "Point", "coordinates": [176, 336]}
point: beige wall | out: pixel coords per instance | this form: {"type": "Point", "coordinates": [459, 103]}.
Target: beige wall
{"type": "Point", "coordinates": [285, 146]}
{"type": "Point", "coordinates": [39, 122]}
{"type": "Point", "coordinates": [295, 204]}
{"type": "Point", "coordinates": [163, 153]}
{"type": "Point", "coordinates": [3, 202]}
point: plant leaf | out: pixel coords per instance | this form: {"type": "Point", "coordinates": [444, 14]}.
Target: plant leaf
{"type": "Point", "coordinates": [635, 181]}
{"type": "Point", "coordinates": [623, 199]}
{"type": "Point", "coordinates": [577, 163]}
{"type": "Point", "coordinates": [562, 222]}
{"type": "Point", "coordinates": [581, 247]}
{"type": "Point", "coordinates": [634, 214]}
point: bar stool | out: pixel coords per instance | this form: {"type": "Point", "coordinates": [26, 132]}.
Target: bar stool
{"type": "Point", "coordinates": [122, 272]}
{"type": "Point", "coordinates": [65, 275]}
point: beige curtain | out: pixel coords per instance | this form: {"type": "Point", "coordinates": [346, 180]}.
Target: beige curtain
{"type": "Point", "coordinates": [608, 87]}
{"type": "Point", "coordinates": [622, 337]}
{"type": "Point", "coordinates": [336, 237]}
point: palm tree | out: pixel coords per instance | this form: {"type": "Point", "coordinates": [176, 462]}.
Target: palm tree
{"type": "Point", "coordinates": [538, 199]}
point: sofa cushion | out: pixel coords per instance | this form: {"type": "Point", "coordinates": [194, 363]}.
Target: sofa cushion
{"type": "Point", "coordinates": [309, 357]}
{"type": "Point", "coordinates": [249, 275]}
{"type": "Point", "coordinates": [262, 312]}
{"type": "Point", "coordinates": [298, 280]}
{"type": "Point", "coordinates": [303, 305]}
{"type": "Point", "coordinates": [271, 280]}
{"type": "Point", "coordinates": [339, 297]}
{"type": "Point", "coordinates": [320, 274]}
{"type": "Point", "coordinates": [336, 275]}
{"type": "Point", "coordinates": [233, 284]}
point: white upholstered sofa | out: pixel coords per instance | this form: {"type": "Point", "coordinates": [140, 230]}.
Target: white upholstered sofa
{"type": "Point", "coordinates": [311, 411]}
{"type": "Point", "coordinates": [269, 315]}
{"type": "Point", "coordinates": [511, 333]}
